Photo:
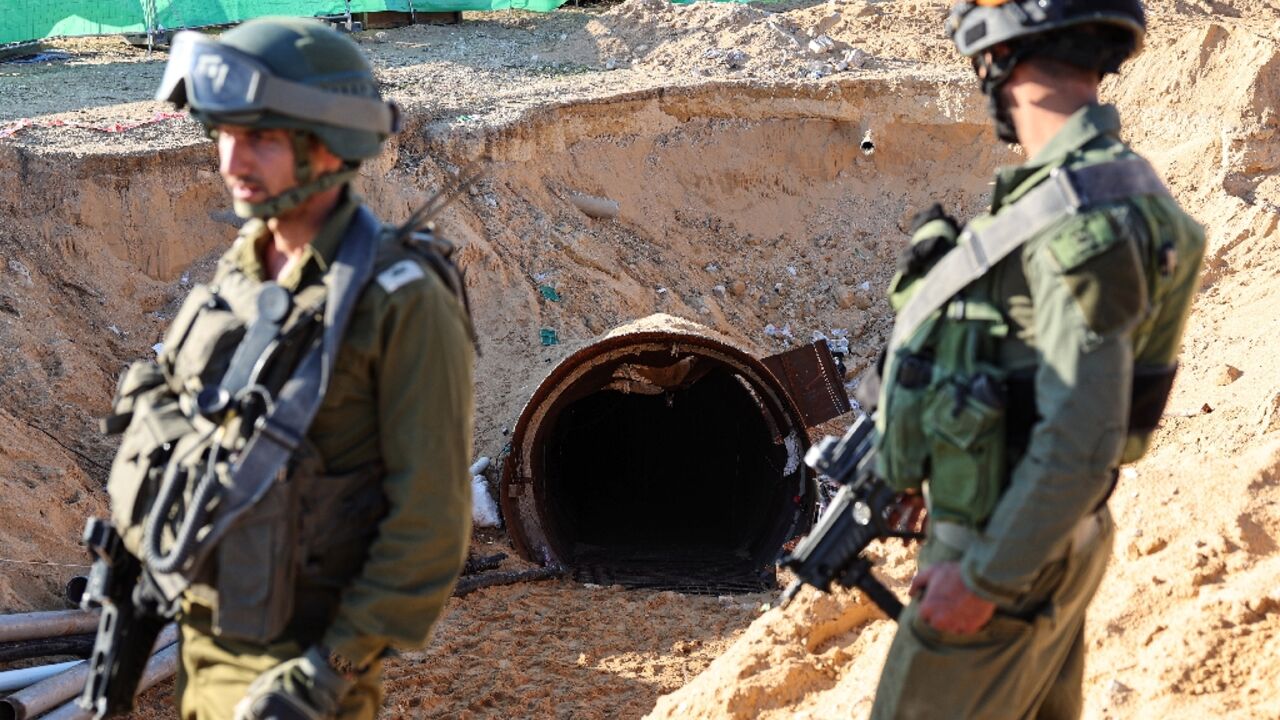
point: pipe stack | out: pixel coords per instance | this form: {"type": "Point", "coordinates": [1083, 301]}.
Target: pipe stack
{"type": "Point", "coordinates": [64, 686]}
{"type": "Point", "coordinates": [41, 689]}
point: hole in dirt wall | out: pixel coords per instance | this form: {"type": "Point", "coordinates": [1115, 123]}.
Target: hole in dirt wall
{"type": "Point", "coordinates": [737, 211]}
{"type": "Point", "coordinates": [765, 228]}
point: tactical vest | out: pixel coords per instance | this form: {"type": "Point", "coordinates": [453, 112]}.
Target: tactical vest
{"type": "Point", "coordinates": [948, 411]}
{"type": "Point", "coordinates": [280, 567]}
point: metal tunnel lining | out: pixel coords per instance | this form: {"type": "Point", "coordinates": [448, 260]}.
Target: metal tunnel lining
{"type": "Point", "coordinates": [704, 506]}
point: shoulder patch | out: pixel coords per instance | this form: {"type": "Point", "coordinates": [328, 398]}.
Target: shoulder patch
{"type": "Point", "coordinates": [1110, 289]}
{"type": "Point", "coordinates": [399, 275]}
{"type": "Point", "coordinates": [1087, 236]}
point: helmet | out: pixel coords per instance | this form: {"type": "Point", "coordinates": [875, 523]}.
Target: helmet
{"type": "Point", "coordinates": [1097, 35]}
{"type": "Point", "coordinates": [289, 73]}
{"type": "Point", "coordinates": [282, 73]}
{"type": "Point", "coordinates": [1094, 35]}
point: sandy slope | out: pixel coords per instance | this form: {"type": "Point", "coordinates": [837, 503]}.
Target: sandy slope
{"type": "Point", "coordinates": [732, 174]}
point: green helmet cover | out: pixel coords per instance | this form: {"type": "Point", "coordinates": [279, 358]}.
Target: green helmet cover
{"type": "Point", "coordinates": [312, 53]}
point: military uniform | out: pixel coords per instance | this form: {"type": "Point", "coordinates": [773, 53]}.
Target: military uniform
{"type": "Point", "coordinates": [1011, 408]}
{"type": "Point", "coordinates": [398, 412]}
{"type": "Point", "coordinates": [292, 479]}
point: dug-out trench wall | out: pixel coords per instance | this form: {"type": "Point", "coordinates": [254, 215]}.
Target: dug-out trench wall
{"type": "Point", "coordinates": [764, 213]}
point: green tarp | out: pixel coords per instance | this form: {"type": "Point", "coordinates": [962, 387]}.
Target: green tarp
{"type": "Point", "coordinates": [24, 20]}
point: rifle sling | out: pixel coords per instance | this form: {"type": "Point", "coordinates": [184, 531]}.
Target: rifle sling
{"type": "Point", "coordinates": [1066, 192]}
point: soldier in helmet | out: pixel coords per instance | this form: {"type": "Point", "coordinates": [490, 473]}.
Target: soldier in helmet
{"type": "Point", "coordinates": [293, 473]}
{"type": "Point", "coordinates": [1032, 354]}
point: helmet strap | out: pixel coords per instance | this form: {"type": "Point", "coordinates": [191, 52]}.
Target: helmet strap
{"type": "Point", "coordinates": [994, 73]}
{"type": "Point", "coordinates": [301, 155]}
{"type": "Point", "coordinates": [296, 195]}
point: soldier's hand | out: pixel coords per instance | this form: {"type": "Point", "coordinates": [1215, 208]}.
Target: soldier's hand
{"type": "Point", "coordinates": [304, 688]}
{"type": "Point", "coordinates": [946, 603]}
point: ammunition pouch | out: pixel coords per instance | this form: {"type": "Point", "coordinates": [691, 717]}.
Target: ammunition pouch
{"type": "Point", "coordinates": [199, 344]}
{"type": "Point", "coordinates": [282, 567]}
{"type": "Point", "coordinates": [339, 515]}
{"type": "Point", "coordinates": [255, 568]}
{"type": "Point", "coordinates": [963, 421]}
{"type": "Point", "coordinates": [903, 457]}
{"type": "Point", "coordinates": [153, 424]}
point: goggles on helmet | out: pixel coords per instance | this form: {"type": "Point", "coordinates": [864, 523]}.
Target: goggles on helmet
{"type": "Point", "coordinates": [221, 81]}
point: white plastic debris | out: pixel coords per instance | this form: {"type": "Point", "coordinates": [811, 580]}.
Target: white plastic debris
{"type": "Point", "coordinates": [114, 329]}
{"type": "Point", "coordinates": [772, 330]}
{"type": "Point", "coordinates": [158, 348]}
{"type": "Point", "coordinates": [818, 69]}
{"type": "Point", "coordinates": [852, 58]}
{"type": "Point", "coordinates": [821, 45]}
{"type": "Point", "coordinates": [599, 208]}
{"type": "Point", "coordinates": [791, 270]}
{"type": "Point", "coordinates": [792, 443]}
{"type": "Point", "coordinates": [484, 511]}
{"type": "Point", "coordinates": [480, 465]}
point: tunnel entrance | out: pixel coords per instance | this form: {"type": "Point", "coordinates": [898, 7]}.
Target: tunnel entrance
{"type": "Point", "coordinates": [661, 459]}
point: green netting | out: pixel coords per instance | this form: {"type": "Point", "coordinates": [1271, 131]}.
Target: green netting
{"type": "Point", "coordinates": [24, 20]}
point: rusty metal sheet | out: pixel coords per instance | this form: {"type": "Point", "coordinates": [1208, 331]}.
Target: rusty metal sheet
{"type": "Point", "coordinates": [810, 377]}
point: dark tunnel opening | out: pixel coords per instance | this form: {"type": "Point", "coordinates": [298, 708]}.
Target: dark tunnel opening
{"type": "Point", "coordinates": [659, 468]}
{"type": "Point", "coordinates": [690, 472]}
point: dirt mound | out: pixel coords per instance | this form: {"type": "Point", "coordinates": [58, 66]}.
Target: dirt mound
{"type": "Point", "coordinates": [763, 191]}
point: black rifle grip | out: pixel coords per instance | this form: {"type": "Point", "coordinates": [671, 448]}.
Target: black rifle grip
{"type": "Point", "coordinates": [882, 596]}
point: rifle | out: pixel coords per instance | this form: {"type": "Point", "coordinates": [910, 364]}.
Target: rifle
{"type": "Point", "coordinates": [134, 612]}
{"type": "Point", "coordinates": [858, 514]}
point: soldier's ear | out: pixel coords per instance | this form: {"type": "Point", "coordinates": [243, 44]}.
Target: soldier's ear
{"type": "Point", "coordinates": [322, 158]}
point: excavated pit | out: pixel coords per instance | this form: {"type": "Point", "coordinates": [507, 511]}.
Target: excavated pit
{"type": "Point", "coordinates": [767, 218]}
{"type": "Point", "coordinates": [100, 228]}
{"type": "Point", "coordinates": [755, 211]}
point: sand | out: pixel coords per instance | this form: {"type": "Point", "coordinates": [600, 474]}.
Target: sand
{"type": "Point", "coordinates": [745, 200]}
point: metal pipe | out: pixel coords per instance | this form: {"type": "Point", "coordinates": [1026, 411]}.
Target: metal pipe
{"type": "Point", "coordinates": [75, 589]}
{"type": "Point", "coordinates": [75, 645]}
{"type": "Point", "coordinates": [160, 667]}
{"type": "Point", "coordinates": [24, 677]}
{"type": "Point", "coordinates": [53, 691]}
{"type": "Point", "coordinates": [37, 625]}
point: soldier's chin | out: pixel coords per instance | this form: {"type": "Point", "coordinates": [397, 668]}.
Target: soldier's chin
{"type": "Point", "coordinates": [247, 209]}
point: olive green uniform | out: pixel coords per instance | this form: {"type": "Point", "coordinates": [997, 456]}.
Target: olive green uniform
{"type": "Point", "coordinates": [399, 402]}
{"type": "Point", "coordinates": [1019, 502]}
